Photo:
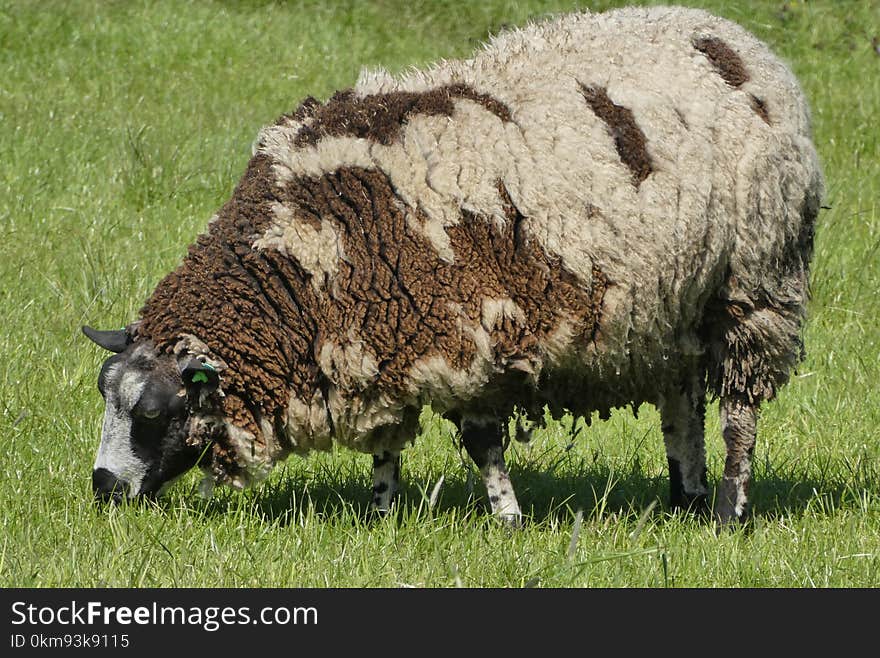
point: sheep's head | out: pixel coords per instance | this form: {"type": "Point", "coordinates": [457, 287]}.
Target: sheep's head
{"type": "Point", "coordinates": [149, 396]}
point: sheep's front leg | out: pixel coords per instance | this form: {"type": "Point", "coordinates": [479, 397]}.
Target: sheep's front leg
{"type": "Point", "coordinates": [683, 413]}
{"type": "Point", "coordinates": [483, 440]}
{"type": "Point", "coordinates": [386, 475]}
{"type": "Point", "coordinates": [739, 421]}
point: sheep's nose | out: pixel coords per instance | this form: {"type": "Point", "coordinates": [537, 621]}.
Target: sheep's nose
{"type": "Point", "coordinates": [107, 487]}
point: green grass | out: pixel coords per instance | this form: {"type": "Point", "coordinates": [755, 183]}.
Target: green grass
{"type": "Point", "coordinates": [125, 125]}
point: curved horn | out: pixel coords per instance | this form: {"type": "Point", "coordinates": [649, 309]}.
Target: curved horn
{"type": "Point", "coordinates": [115, 341]}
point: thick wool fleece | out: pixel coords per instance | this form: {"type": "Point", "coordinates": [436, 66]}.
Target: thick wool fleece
{"type": "Point", "coordinates": [587, 213]}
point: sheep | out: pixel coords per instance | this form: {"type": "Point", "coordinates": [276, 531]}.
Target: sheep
{"type": "Point", "coordinates": [594, 211]}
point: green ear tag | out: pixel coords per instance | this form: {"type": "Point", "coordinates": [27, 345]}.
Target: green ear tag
{"type": "Point", "coordinates": [200, 377]}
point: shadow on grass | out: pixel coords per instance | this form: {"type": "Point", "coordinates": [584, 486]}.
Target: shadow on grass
{"type": "Point", "coordinates": [543, 496]}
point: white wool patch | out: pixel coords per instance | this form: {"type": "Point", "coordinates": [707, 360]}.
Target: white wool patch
{"type": "Point", "coordinates": [194, 347]}
{"type": "Point", "coordinates": [352, 365]}
{"type": "Point", "coordinates": [358, 423]}
{"type": "Point", "coordinates": [437, 381]}
{"type": "Point", "coordinates": [317, 251]}
{"type": "Point", "coordinates": [494, 311]}
{"type": "Point", "coordinates": [557, 344]}
{"type": "Point", "coordinates": [254, 457]}
{"type": "Point", "coordinates": [355, 417]}
{"type": "Point", "coordinates": [376, 81]}
{"type": "Point", "coordinates": [255, 462]}
{"type": "Point", "coordinates": [307, 425]}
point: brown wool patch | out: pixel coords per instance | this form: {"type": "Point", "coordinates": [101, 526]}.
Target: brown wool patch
{"type": "Point", "coordinates": [251, 308]}
{"type": "Point", "coordinates": [760, 108]}
{"type": "Point", "coordinates": [380, 117]}
{"type": "Point", "coordinates": [490, 103]}
{"type": "Point", "coordinates": [301, 113]}
{"type": "Point", "coordinates": [224, 465]}
{"type": "Point", "coordinates": [534, 280]}
{"type": "Point", "coordinates": [258, 312]}
{"type": "Point", "coordinates": [724, 59]}
{"type": "Point", "coordinates": [597, 296]}
{"type": "Point", "coordinates": [406, 304]}
{"type": "Point", "coordinates": [562, 290]}
{"type": "Point", "coordinates": [391, 289]}
{"type": "Point", "coordinates": [236, 411]}
{"type": "Point", "coordinates": [629, 140]}
{"type": "Point", "coordinates": [305, 195]}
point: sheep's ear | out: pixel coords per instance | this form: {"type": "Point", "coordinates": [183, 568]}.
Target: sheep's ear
{"type": "Point", "coordinates": [114, 341]}
{"type": "Point", "coordinates": [199, 379]}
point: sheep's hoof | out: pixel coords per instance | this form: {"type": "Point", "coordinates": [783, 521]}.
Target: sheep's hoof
{"type": "Point", "coordinates": [377, 512]}
{"type": "Point", "coordinates": [732, 505]}
{"type": "Point", "coordinates": [511, 520]}
{"type": "Point", "coordinates": [696, 504]}
{"type": "Point", "coordinates": [727, 518]}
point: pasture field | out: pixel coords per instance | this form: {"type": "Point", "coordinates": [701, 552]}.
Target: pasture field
{"type": "Point", "coordinates": [125, 125]}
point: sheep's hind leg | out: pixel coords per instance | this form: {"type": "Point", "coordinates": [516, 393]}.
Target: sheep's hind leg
{"type": "Point", "coordinates": [386, 475]}
{"type": "Point", "coordinates": [739, 422]}
{"type": "Point", "coordinates": [683, 415]}
{"type": "Point", "coordinates": [483, 441]}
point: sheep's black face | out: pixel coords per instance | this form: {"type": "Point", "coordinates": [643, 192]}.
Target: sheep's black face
{"type": "Point", "coordinates": [146, 419]}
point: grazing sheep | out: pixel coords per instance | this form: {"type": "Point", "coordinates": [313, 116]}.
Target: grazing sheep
{"type": "Point", "coordinates": [594, 211]}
